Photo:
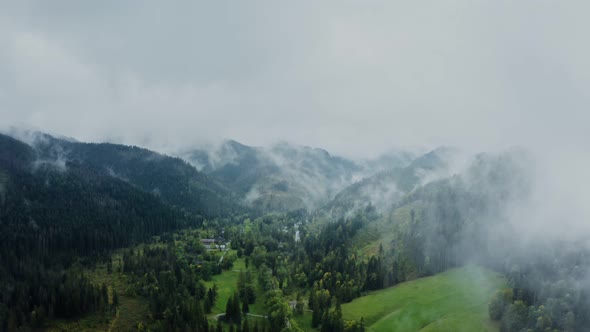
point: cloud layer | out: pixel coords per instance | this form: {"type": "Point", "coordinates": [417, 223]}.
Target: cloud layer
{"type": "Point", "coordinates": [353, 77]}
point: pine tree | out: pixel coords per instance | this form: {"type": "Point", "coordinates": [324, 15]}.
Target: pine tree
{"type": "Point", "coordinates": [211, 296]}
{"type": "Point", "coordinates": [316, 316]}
{"type": "Point", "coordinates": [245, 307]}
{"type": "Point", "coordinates": [115, 298]}
{"type": "Point", "coordinates": [104, 294]}
{"type": "Point", "coordinates": [229, 307]}
{"type": "Point", "coordinates": [207, 305]}
{"type": "Point", "coordinates": [245, 326]}
{"type": "Point", "coordinates": [236, 309]}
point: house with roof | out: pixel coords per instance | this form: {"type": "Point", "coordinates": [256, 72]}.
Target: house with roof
{"type": "Point", "coordinates": [212, 244]}
{"type": "Point", "coordinates": [208, 243]}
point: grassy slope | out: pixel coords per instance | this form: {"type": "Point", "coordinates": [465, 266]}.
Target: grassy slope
{"type": "Point", "coordinates": [452, 301]}
{"type": "Point", "coordinates": [227, 284]}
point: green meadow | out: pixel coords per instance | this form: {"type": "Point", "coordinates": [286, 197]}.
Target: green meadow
{"type": "Point", "coordinates": [227, 284]}
{"type": "Point", "coordinates": [452, 301]}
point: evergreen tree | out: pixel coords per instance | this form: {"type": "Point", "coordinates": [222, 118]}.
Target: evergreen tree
{"type": "Point", "coordinates": [115, 298]}
{"type": "Point", "coordinates": [245, 307]}
{"type": "Point", "coordinates": [245, 326]}
{"type": "Point", "coordinates": [207, 305]}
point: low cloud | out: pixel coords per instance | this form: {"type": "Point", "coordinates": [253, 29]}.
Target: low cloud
{"type": "Point", "coordinates": [356, 79]}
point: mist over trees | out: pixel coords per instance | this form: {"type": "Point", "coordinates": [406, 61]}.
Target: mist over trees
{"type": "Point", "coordinates": [66, 205]}
{"type": "Point", "coordinates": [294, 166]}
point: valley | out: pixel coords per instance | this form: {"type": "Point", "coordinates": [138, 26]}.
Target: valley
{"type": "Point", "coordinates": [294, 166]}
{"type": "Point", "coordinates": [105, 237]}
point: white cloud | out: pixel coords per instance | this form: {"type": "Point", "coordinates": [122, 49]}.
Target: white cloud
{"type": "Point", "coordinates": [355, 78]}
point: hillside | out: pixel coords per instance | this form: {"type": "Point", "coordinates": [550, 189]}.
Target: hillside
{"type": "Point", "coordinates": [282, 177]}
{"type": "Point", "coordinates": [54, 213]}
{"type": "Point", "coordinates": [452, 301]}
{"type": "Point", "coordinates": [385, 188]}
{"type": "Point", "coordinates": [67, 204]}
{"type": "Point", "coordinates": [176, 182]}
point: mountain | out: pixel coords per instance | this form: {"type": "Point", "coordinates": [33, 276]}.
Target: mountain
{"type": "Point", "coordinates": [47, 208]}
{"type": "Point", "coordinates": [383, 189]}
{"type": "Point", "coordinates": [58, 207]}
{"type": "Point", "coordinates": [454, 219]}
{"type": "Point", "coordinates": [388, 160]}
{"type": "Point", "coordinates": [282, 177]}
{"type": "Point", "coordinates": [174, 181]}
{"type": "Point", "coordinates": [63, 201]}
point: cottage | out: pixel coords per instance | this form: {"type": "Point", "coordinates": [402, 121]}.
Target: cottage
{"type": "Point", "coordinates": [208, 243]}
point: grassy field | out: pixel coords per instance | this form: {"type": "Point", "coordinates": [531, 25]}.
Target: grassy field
{"type": "Point", "coordinates": [227, 284]}
{"type": "Point", "coordinates": [452, 301]}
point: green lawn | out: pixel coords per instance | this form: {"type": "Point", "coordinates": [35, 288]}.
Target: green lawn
{"type": "Point", "coordinates": [227, 284]}
{"type": "Point", "coordinates": [452, 301]}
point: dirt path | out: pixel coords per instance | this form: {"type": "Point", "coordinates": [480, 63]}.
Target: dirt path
{"type": "Point", "coordinates": [222, 256]}
{"type": "Point", "coordinates": [216, 317]}
{"type": "Point", "coordinates": [114, 321]}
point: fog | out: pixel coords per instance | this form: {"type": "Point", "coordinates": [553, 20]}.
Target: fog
{"type": "Point", "coordinates": [354, 78]}
{"type": "Point", "coordinates": [503, 83]}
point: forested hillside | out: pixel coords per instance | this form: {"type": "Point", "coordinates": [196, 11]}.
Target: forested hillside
{"type": "Point", "coordinates": [386, 187]}
{"type": "Point", "coordinates": [48, 218]}
{"type": "Point", "coordinates": [176, 182]}
{"type": "Point", "coordinates": [279, 178]}
{"type": "Point", "coordinates": [61, 201]}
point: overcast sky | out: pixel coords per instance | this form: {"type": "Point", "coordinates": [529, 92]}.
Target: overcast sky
{"type": "Point", "coordinates": [354, 77]}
